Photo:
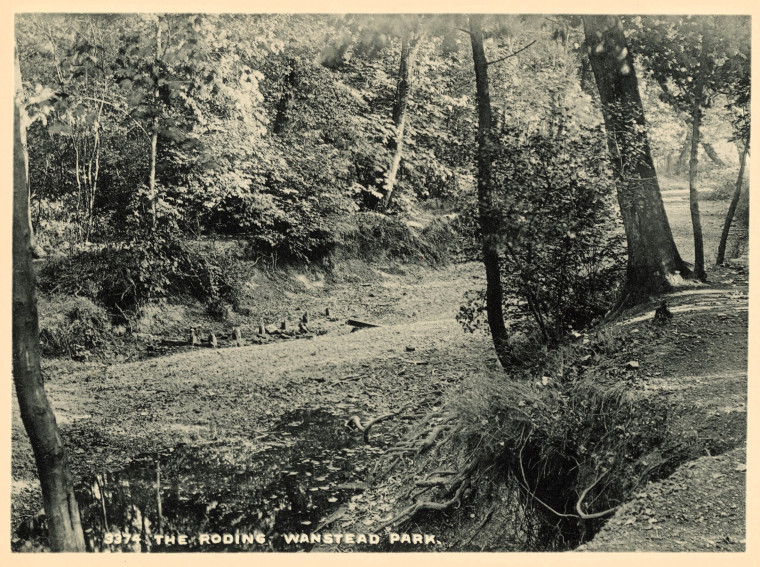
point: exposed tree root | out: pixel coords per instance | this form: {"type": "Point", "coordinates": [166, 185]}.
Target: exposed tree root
{"type": "Point", "coordinates": [578, 505]}
{"type": "Point", "coordinates": [354, 422]}
{"type": "Point", "coordinates": [461, 482]}
{"type": "Point", "coordinates": [412, 445]}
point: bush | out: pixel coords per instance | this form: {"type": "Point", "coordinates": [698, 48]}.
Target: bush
{"type": "Point", "coordinates": [70, 324]}
{"type": "Point", "coordinates": [373, 236]}
{"type": "Point", "coordinates": [126, 276]}
{"type": "Point", "coordinates": [555, 439]}
{"type": "Point", "coordinates": [724, 186]}
{"type": "Point", "coordinates": [561, 238]}
{"type": "Point", "coordinates": [55, 226]}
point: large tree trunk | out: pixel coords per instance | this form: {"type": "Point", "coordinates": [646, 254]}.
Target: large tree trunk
{"type": "Point", "coordinates": [489, 220]}
{"type": "Point", "coordinates": [696, 121]}
{"type": "Point", "coordinates": [732, 207]}
{"type": "Point", "coordinates": [654, 263]}
{"type": "Point", "coordinates": [37, 415]}
{"type": "Point", "coordinates": [409, 45]}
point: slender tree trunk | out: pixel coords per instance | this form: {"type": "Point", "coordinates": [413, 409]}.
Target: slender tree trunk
{"type": "Point", "coordinates": [696, 123]}
{"type": "Point", "coordinates": [409, 46]}
{"type": "Point", "coordinates": [732, 207]}
{"type": "Point", "coordinates": [712, 154]}
{"type": "Point", "coordinates": [283, 105]}
{"type": "Point", "coordinates": [489, 220]}
{"type": "Point", "coordinates": [654, 263]}
{"type": "Point", "coordinates": [95, 176]}
{"type": "Point", "coordinates": [696, 223]}
{"type": "Point", "coordinates": [154, 135]}
{"type": "Point", "coordinates": [36, 413]}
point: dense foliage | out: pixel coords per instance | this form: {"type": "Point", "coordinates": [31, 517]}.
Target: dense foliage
{"type": "Point", "coordinates": [281, 131]}
{"type": "Point", "coordinates": [563, 243]}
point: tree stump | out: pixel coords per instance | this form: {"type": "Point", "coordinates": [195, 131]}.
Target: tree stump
{"type": "Point", "coordinates": [662, 314]}
{"type": "Point", "coordinates": [237, 336]}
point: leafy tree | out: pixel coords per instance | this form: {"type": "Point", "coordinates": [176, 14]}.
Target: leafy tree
{"type": "Point", "coordinates": [654, 263]}
{"type": "Point", "coordinates": [36, 413]}
{"type": "Point", "coordinates": [695, 60]}
{"type": "Point", "coordinates": [563, 249]}
{"type": "Point", "coordinates": [487, 194]}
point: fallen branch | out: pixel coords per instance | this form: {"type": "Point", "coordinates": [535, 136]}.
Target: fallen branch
{"type": "Point", "coordinates": [361, 324]}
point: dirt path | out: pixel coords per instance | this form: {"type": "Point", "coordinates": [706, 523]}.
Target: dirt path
{"type": "Point", "coordinates": [110, 413]}
{"type": "Point", "coordinates": [698, 364]}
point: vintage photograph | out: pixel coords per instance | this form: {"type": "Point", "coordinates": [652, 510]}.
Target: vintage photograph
{"type": "Point", "coordinates": [380, 282]}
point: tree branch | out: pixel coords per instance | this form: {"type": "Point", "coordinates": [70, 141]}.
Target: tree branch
{"type": "Point", "coordinates": [112, 105]}
{"type": "Point", "coordinates": [511, 54]}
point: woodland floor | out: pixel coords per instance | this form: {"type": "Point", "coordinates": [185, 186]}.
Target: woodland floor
{"type": "Point", "coordinates": [112, 411]}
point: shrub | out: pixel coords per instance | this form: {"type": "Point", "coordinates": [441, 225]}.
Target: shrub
{"type": "Point", "coordinates": [70, 324]}
{"type": "Point", "coordinates": [125, 276]}
{"type": "Point", "coordinates": [55, 226]}
{"type": "Point", "coordinates": [373, 236]}
{"type": "Point", "coordinates": [560, 236]}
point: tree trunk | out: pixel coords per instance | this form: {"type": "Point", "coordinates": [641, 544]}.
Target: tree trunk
{"type": "Point", "coordinates": [654, 263]}
{"type": "Point", "coordinates": [732, 207]}
{"type": "Point", "coordinates": [712, 154]}
{"type": "Point", "coordinates": [696, 223]}
{"type": "Point", "coordinates": [696, 122]}
{"type": "Point", "coordinates": [36, 413]}
{"type": "Point", "coordinates": [154, 135]}
{"type": "Point", "coordinates": [37, 251]}
{"type": "Point", "coordinates": [283, 105]}
{"type": "Point", "coordinates": [486, 194]}
{"type": "Point", "coordinates": [409, 47]}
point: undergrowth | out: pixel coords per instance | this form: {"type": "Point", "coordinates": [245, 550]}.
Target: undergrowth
{"type": "Point", "coordinates": [548, 456]}
{"type": "Point", "coordinates": [71, 325]}
{"type": "Point", "coordinates": [126, 276]}
{"type": "Point", "coordinates": [374, 237]}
